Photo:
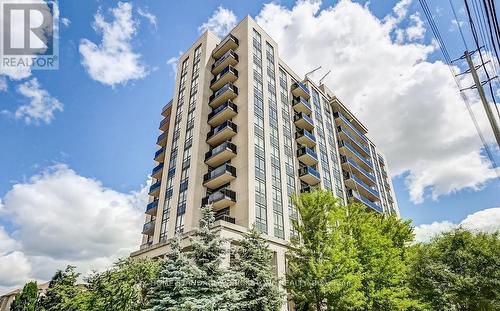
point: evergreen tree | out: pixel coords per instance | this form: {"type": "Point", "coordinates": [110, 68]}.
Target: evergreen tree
{"type": "Point", "coordinates": [458, 270]}
{"type": "Point", "coordinates": [27, 299]}
{"type": "Point", "coordinates": [260, 285]}
{"type": "Point", "coordinates": [208, 286]}
{"type": "Point", "coordinates": [62, 291]}
{"type": "Point", "coordinates": [165, 295]}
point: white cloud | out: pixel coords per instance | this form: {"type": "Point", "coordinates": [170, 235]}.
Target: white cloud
{"type": "Point", "coordinates": [487, 220]}
{"type": "Point", "coordinates": [147, 15]}
{"type": "Point", "coordinates": [113, 61]}
{"type": "Point", "coordinates": [66, 21]}
{"type": "Point", "coordinates": [421, 123]}
{"type": "Point", "coordinates": [41, 107]}
{"type": "Point", "coordinates": [61, 218]}
{"type": "Point", "coordinates": [417, 30]}
{"type": "Point", "coordinates": [3, 84]}
{"type": "Point", "coordinates": [220, 23]}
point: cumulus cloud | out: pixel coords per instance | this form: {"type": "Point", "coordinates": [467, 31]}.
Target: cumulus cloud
{"type": "Point", "coordinates": [487, 220]}
{"type": "Point", "coordinates": [61, 218]}
{"type": "Point", "coordinates": [421, 123]}
{"type": "Point", "coordinates": [113, 60]}
{"type": "Point", "coordinates": [41, 106]}
{"type": "Point", "coordinates": [220, 23]}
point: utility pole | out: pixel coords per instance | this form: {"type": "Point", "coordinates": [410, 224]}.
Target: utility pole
{"type": "Point", "coordinates": [486, 105]}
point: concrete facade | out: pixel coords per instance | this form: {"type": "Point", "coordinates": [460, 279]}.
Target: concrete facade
{"type": "Point", "coordinates": [243, 132]}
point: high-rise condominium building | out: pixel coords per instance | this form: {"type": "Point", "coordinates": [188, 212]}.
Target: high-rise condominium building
{"type": "Point", "coordinates": [244, 133]}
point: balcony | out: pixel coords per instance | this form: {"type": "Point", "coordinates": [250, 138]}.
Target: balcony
{"type": "Point", "coordinates": [226, 218]}
{"type": "Point", "coordinates": [228, 75]}
{"type": "Point", "coordinates": [301, 105]}
{"type": "Point", "coordinates": [162, 139]}
{"type": "Point", "coordinates": [307, 156]}
{"type": "Point", "coordinates": [345, 135]}
{"type": "Point", "coordinates": [306, 189]}
{"type": "Point", "coordinates": [341, 119]}
{"type": "Point", "coordinates": [229, 58]}
{"type": "Point", "coordinates": [387, 186]}
{"type": "Point", "coordinates": [302, 121]}
{"type": "Point", "coordinates": [309, 175]}
{"type": "Point", "coordinates": [358, 197]}
{"type": "Point", "coordinates": [220, 154]}
{"type": "Point", "coordinates": [152, 207]}
{"type": "Point", "coordinates": [349, 151]}
{"type": "Point", "coordinates": [224, 112]}
{"type": "Point", "coordinates": [219, 176]}
{"type": "Point", "coordinates": [305, 138]}
{"type": "Point", "coordinates": [220, 199]}
{"type": "Point", "coordinates": [154, 190]}
{"type": "Point", "coordinates": [299, 89]}
{"type": "Point", "coordinates": [157, 171]}
{"type": "Point", "coordinates": [225, 93]}
{"type": "Point", "coordinates": [349, 165]}
{"type": "Point", "coordinates": [230, 42]}
{"type": "Point", "coordinates": [353, 182]}
{"type": "Point", "coordinates": [165, 124]}
{"type": "Point", "coordinates": [160, 155]}
{"type": "Point", "coordinates": [167, 109]}
{"type": "Point", "coordinates": [221, 133]}
{"type": "Point", "coordinates": [149, 228]}
{"type": "Point", "coordinates": [381, 160]}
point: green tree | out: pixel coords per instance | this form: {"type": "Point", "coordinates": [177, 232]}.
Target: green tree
{"type": "Point", "coordinates": [260, 285]}
{"type": "Point", "coordinates": [208, 286]}
{"type": "Point", "coordinates": [323, 268]}
{"type": "Point", "coordinates": [27, 299]}
{"type": "Point", "coordinates": [458, 270]}
{"type": "Point", "coordinates": [165, 294]}
{"type": "Point", "coordinates": [62, 292]}
{"type": "Point", "coordinates": [122, 288]}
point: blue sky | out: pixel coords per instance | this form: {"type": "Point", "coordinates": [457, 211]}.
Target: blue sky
{"type": "Point", "coordinates": [107, 133]}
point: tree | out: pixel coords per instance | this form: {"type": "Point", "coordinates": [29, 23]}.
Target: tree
{"type": "Point", "coordinates": [260, 285]}
{"type": "Point", "coordinates": [458, 270]}
{"type": "Point", "coordinates": [27, 299]}
{"type": "Point", "coordinates": [165, 294]}
{"type": "Point", "coordinates": [208, 285]}
{"type": "Point", "coordinates": [62, 292]}
{"type": "Point", "coordinates": [122, 288]}
{"type": "Point", "coordinates": [348, 258]}
{"type": "Point", "coordinates": [322, 263]}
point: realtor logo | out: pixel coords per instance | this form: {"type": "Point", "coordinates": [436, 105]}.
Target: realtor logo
{"type": "Point", "coordinates": [29, 35]}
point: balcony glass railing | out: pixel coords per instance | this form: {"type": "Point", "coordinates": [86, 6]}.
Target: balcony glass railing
{"type": "Point", "coordinates": [302, 100]}
{"type": "Point", "coordinates": [220, 148]}
{"type": "Point", "coordinates": [162, 137]}
{"type": "Point", "coordinates": [345, 159]}
{"type": "Point", "coordinates": [229, 37]}
{"type": "Point", "coordinates": [221, 170]}
{"type": "Point", "coordinates": [155, 186]}
{"type": "Point", "coordinates": [219, 195]}
{"type": "Point", "coordinates": [301, 85]}
{"type": "Point", "coordinates": [157, 168]}
{"type": "Point", "coordinates": [353, 150]}
{"type": "Point", "coordinates": [306, 133]}
{"type": "Point", "coordinates": [305, 150]}
{"type": "Point", "coordinates": [228, 69]}
{"type": "Point", "coordinates": [168, 105]}
{"type": "Point", "coordinates": [226, 87]}
{"type": "Point", "coordinates": [219, 128]}
{"type": "Point", "coordinates": [159, 151]}
{"type": "Point", "coordinates": [226, 55]}
{"type": "Point", "coordinates": [355, 141]}
{"type": "Point", "coordinates": [352, 127]}
{"type": "Point", "coordinates": [227, 104]}
{"type": "Point", "coordinates": [301, 115]}
{"type": "Point", "coordinates": [225, 218]}
{"type": "Point", "coordinates": [348, 175]}
{"type": "Point", "coordinates": [152, 205]}
{"type": "Point", "coordinates": [309, 170]}
{"type": "Point", "coordinates": [148, 227]}
{"type": "Point", "coordinates": [164, 121]}
{"type": "Point", "coordinates": [365, 201]}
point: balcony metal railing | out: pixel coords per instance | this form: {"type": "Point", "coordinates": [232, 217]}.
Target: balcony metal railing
{"type": "Point", "coordinates": [166, 107]}
{"type": "Point", "coordinates": [300, 85]}
{"type": "Point", "coordinates": [298, 99]}
{"type": "Point", "coordinates": [155, 186]}
{"type": "Point", "coordinates": [220, 148]}
{"type": "Point", "coordinates": [228, 69]}
{"type": "Point", "coordinates": [225, 218]}
{"type": "Point", "coordinates": [219, 128]}
{"type": "Point", "coordinates": [164, 121]}
{"type": "Point", "coordinates": [345, 159]}
{"type": "Point", "coordinates": [157, 168]}
{"type": "Point", "coordinates": [148, 227]}
{"type": "Point", "coordinates": [348, 175]}
{"type": "Point", "coordinates": [227, 104]}
{"type": "Point", "coordinates": [355, 141]}
{"type": "Point", "coordinates": [226, 55]}
{"type": "Point", "coordinates": [301, 115]}
{"type": "Point", "coordinates": [152, 205]}
{"type": "Point", "coordinates": [226, 87]}
{"type": "Point", "coordinates": [364, 200]}
{"type": "Point", "coordinates": [309, 170]}
{"type": "Point", "coordinates": [229, 37]}
{"type": "Point", "coordinates": [219, 195]}
{"type": "Point", "coordinates": [159, 151]}
{"type": "Point", "coordinates": [352, 127]}
{"type": "Point", "coordinates": [353, 150]}
{"type": "Point", "coordinates": [306, 133]}
{"type": "Point", "coordinates": [162, 137]}
{"type": "Point", "coordinates": [305, 150]}
{"type": "Point", "coordinates": [221, 170]}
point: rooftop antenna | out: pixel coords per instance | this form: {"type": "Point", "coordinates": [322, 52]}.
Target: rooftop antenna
{"type": "Point", "coordinates": [323, 78]}
{"type": "Point", "coordinates": [311, 72]}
